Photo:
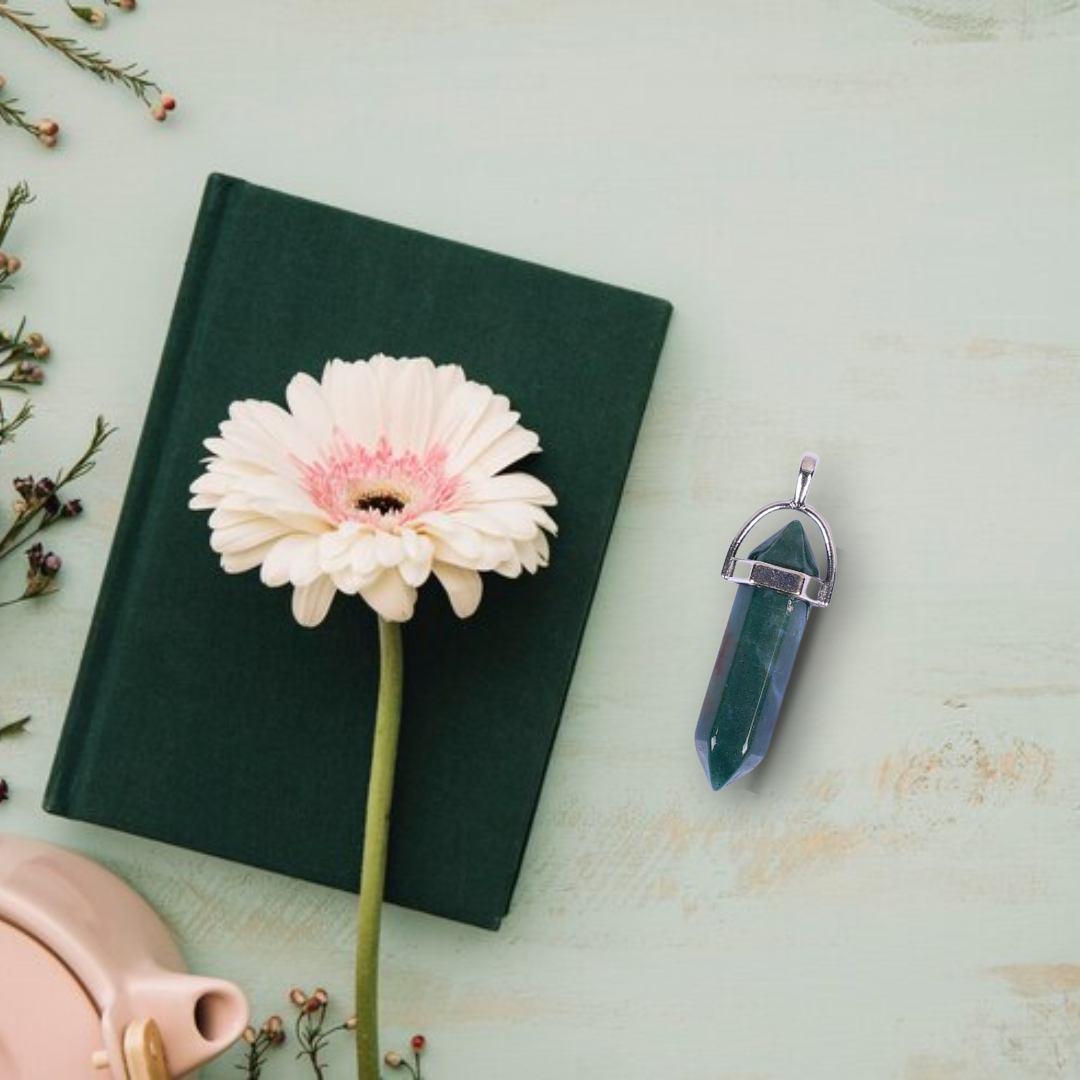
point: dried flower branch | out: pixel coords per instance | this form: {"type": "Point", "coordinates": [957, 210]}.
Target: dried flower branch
{"type": "Point", "coordinates": [38, 505]}
{"type": "Point", "coordinates": [257, 1044]}
{"type": "Point", "coordinates": [132, 77]}
{"type": "Point", "coordinates": [312, 1034]}
{"type": "Point", "coordinates": [397, 1061]}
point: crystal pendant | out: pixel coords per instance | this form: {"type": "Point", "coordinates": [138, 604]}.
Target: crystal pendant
{"type": "Point", "coordinates": [777, 586]}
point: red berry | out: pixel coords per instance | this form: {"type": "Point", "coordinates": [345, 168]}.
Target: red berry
{"type": "Point", "coordinates": [168, 102]}
{"type": "Point", "coordinates": [418, 1043]}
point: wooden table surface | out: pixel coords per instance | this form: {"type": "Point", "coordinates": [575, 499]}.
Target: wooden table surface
{"type": "Point", "coordinates": [867, 216]}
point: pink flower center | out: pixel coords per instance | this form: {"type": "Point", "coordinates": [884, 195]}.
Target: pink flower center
{"type": "Point", "coordinates": [378, 487]}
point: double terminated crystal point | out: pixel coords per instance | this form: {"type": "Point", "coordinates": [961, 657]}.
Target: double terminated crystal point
{"type": "Point", "coordinates": [762, 638]}
{"type": "Point", "coordinates": [754, 664]}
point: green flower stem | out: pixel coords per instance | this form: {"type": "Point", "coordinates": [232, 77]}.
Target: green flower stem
{"type": "Point", "coordinates": [376, 835]}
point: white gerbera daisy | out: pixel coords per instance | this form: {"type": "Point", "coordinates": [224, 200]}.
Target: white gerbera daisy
{"type": "Point", "coordinates": [384, 472]}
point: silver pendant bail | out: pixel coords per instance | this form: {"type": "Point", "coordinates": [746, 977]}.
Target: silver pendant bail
{"type": "Point", "coordinates": [815, 591]}
{"type": "Point", "coordinates": [806, 474]}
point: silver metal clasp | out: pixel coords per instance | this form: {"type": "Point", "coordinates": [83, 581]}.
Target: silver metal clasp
{"type": "Point", "coordinates": [779, 578]}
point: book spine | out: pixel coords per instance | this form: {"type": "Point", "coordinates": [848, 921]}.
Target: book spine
{"type": "Point", "coordinates": [63, 793]}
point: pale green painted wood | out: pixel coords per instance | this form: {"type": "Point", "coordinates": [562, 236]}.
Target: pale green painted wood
{"type": "Point", "coordinates": [867, 215]}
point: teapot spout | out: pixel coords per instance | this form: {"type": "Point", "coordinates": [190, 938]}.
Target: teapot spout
{"type": "Point", "coordinates": [198, 1017]}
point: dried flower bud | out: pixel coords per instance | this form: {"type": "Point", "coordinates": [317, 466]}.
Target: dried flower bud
{"type": "Point", "coordinates": [127, 5]}
{"type": "Point", "coordinates": [250, 1035]}
{"type": "Point", "coordinates": [297, 996]}
{"type": "Point", "coordinates": [48, 127]}
{"type": "Point", "coordinates": [72, 508]}
{"type": "Point", "coordinates": [26, 371]}
{"type": "Point", "coordinates": [11, 263]}
{"type": "Point", "coordinates": [159, 113]}
{"type": "Point", "coordinates": [5, 791]}
{"type": "Point", "coordinates": [19, 507]}
{"type": "Point", "coordinates": [91, 16]}
{"type": "Point", "coordinates": [418, 1042]}
{"type": "Point", "coordinates": [274, 1027]}
{"type": "Point", "coordinates": [350, 1024]}
{"type": "Point", "coordinates": [42, 567]}
{"type": "Point", "coordinates": [34, 340]}
{"type": "Point", "coordinates": [321, 996]}
{"type": "Point", "coordinates": [48, 141]}
{"type": "Point", "coordinates": [313, 1004]}
{"type": "Point", "coordinates": [34, 554]}
{"type": "Point", "coordinates": [24, 485]}
{"type": "Point", "coordinates": [44, 487]}
{"type": "Point", "coordinates": [43, 352]}
{"type": "Point", "coordinates": [168, 102]}
{"type": "Point", "coordinates": [393, 1059]}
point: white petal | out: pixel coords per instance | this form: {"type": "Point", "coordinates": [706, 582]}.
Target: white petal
{"type": "Point", "coordinates": [304, 565]}
{"type": "Point", "coordinates": [309, 408]}
{"type": "Point", "coordinates": [245, 535]}
{"type": "Point", "coordinates": [449, 533]}
{"type": "Point", "coordinates": [278, 565]}
{"type": "Point", "coordinates": [242, 561]}
{"type": "Point", "coordinates": [355, 403]}
{"type": "Point", "coordinates": [390, 597]}
{"type": "Point", "coordinates": [480, 432]}
{"type": "Point", "coordinates": [388, 549]}
{"type": "Point", "coordinates": [506, 486]}
{"type": "Point", "coordinates": [515, 444]}
{"type": "Point", "coordinates": [310, 603]}
{"type": "Point", "coordinates": [463, 587]}
{"type": "Point", "coordinates": [411, 405]}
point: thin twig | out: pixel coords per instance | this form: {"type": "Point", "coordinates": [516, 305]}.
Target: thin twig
{"type": "Point", "coordinates": [138, 82]}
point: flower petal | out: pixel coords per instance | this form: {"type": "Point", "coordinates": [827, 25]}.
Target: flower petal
{"type": "Point", "coordinates": [463, 587]}
{"type": "Point", "coordinates": [390, 597]}
{"type": "Point", "coordinates": [310, 603]}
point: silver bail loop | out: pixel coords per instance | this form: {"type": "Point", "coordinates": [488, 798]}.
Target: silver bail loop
{"type": "Point", "coordinates": [802, 484]}
{"type": "Point", "coordinates": [797, 588]}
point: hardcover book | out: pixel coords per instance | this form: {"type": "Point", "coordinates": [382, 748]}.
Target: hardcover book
{"type": "Point", "coordinates": [203, 714]}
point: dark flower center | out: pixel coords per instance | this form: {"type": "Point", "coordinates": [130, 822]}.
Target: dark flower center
{"type": "Point", "coordinates": [382, 502]}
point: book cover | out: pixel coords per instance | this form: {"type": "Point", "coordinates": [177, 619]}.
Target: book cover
{"type": "Point", "coordinates": [203, 715]}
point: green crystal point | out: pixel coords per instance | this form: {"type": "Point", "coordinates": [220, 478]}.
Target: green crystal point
{"type": "Point", "coordinates": [788, 548]}
{"type": "Point", "coordinates": [754, 664]}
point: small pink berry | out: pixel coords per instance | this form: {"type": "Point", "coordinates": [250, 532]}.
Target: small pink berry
{"type": "Point", "coordinates": [14, 264]}
{"type": "Point", "coordinates": [158, 113]}
{"type": "Point", "coordinates": [168, 102]}
{"type": "Point", "coordinates": [48, 127]}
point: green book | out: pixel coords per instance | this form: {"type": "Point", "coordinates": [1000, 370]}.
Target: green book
{"type": "Point", "coordinates": [203, 714]}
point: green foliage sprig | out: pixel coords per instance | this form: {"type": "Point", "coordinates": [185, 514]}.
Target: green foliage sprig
{"type": "Point", "coordinates": [132, 77]}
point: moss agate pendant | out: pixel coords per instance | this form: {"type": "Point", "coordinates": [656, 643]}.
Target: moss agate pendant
{"type": "Point", "coordinates": [778, 585]}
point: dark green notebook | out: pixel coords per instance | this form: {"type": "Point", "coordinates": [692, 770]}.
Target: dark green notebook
{"type": "Point", "coordinates": [203, 714]}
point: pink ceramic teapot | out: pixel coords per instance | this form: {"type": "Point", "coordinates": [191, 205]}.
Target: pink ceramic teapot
{"type": "Point", "coordinates": [92, 985]}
